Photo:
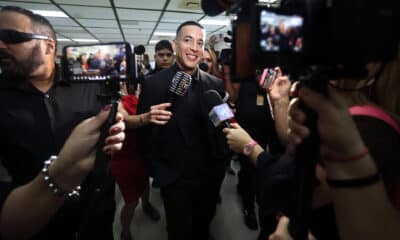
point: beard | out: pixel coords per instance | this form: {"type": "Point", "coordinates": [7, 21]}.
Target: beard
{"type": "Point", "coordinates": [19, 71]}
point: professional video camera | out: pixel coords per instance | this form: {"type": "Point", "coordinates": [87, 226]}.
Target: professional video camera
{"type": "Point", "coordinates": [313, 41]}
{"type": "Point", "coordinates": [298, 34]}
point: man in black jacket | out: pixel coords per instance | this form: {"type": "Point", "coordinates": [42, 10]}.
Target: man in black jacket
{"type": "Point", "coordinates": [188, 155]}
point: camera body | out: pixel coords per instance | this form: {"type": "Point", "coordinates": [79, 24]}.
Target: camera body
{"type": "Point", "coordinates": [298, 34]}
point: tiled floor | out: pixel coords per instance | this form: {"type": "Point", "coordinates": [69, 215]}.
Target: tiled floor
{"type": "Point", "coordinates": [227, 224]}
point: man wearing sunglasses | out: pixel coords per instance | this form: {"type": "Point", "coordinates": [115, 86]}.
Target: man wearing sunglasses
{"type": "Point", "coordinates": [37, 114]}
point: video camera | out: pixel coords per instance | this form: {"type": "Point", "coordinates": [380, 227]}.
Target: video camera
{"type": "Point", "coordinates": [298, 34]}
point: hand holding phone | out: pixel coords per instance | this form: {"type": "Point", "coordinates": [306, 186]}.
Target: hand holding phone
{"type": "Point", "coordinates": [267, 78]}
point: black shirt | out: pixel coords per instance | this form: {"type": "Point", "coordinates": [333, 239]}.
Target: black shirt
{"type": "Point", "coordinates": [183, 148]}
{"type": "Point", "coordinates": [35, 125]}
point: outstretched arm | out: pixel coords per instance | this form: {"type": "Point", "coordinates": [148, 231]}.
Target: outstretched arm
{"type": "Point", "coordinates": [29, 207]}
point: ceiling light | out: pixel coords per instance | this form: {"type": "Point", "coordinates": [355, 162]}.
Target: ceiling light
{"type": "Point", "coordinates": [84, 40]}
{"type": "Point", "coordinates": [165, 34]}
{"type": "Point", "coordinates": [153, 41]}
{"type": "Point", "coordinates": [46, 13]}
{"type": "Point", "coordinates": [63, 40]}
{"type": "Point", "coordinates": [214, 22]}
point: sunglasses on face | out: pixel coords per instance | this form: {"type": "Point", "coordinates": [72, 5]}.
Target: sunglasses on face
{"type": "Point", "coordinates": [12, 36]}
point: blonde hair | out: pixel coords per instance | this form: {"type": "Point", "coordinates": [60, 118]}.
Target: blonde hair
{"type": "Point", "coordinates": [214, 69]}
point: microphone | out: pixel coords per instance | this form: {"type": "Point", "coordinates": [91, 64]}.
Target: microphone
{"type": "Point", "coordinates": [179, 85]}
{"type": "Point", "coordinates": [203, 66]}
{"type": "Point", "coordinates": [139, 50]}
{"type": "Point", "coordinates": [220, 112]}
{"type": "Point", "coordinates": [214, 7]}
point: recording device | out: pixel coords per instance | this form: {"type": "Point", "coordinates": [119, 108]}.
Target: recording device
{"type": "Point", "coordinates": [300, 34]}
{"type": "Point", "coordinates": [180, 84]}
{"type": "Point", "coordinates": [203, 66]}
{"type": "Point", "coordinates": [107, 64]}
{"type": "Point", "coordinates": [98, 62]}
{"type": "Point", "coordinates": [267, 78]}
{"type": "Point", "coordinates": [220, 112]}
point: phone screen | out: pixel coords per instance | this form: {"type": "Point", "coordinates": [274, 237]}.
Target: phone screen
{"type": "Point", "coordinates": [97, 62]}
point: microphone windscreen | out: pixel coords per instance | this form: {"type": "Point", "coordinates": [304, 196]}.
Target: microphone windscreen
{"type": "Point", "coordinates": [180, 83]}
{"type": "Point", "coordinates": [203, 66]}
{"type": "Point", "coordinates": [139, 50]}
{"type": "Point", "coordinates": [227, 39]}
{"type": "Point", "coordinates": [211, 7]}
{"type": "Point", "coordinates": [212, 98]}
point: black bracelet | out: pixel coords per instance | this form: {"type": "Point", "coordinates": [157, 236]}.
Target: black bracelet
{"type": "Point", "coordinates": [355, 182]}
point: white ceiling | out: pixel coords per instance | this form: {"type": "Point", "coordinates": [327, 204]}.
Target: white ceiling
{"type": "Point", "coordinates": [134, 21]}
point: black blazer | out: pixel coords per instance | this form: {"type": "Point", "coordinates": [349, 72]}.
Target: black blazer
{"type": "Point", "coordinates": [189, 146]}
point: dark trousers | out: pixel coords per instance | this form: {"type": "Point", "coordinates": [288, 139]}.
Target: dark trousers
{"type": "Point", "coordinates": [189, 209]}
{"type": "Point", "coordinates": [246, 182]}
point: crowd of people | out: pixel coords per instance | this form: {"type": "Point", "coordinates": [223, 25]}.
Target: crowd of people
{"type": "Point", "coordinates": [49, 132]}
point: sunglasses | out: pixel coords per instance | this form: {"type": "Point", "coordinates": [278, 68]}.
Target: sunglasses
{"type": "Point", "coordinates": [12, 36]}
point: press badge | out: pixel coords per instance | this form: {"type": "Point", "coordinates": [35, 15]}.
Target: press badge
{"type": "Point", "coordinates": [260, 100]}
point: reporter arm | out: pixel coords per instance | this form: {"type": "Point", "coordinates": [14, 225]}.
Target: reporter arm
{"type": "Point", "coordinates": [281, 120]}
{"type": "Point", "coordinates": [364, 212]}
{"type": "Point", "coordinates": [279, 95]}
{"type": "Point", "coordinates": [28, 208]}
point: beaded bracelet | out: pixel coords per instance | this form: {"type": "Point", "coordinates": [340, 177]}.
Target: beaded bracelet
{"type": "Point", "coordinates": [53, 186]}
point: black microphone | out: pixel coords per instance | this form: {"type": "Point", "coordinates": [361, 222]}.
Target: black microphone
{"type": "Point", "coordinates": [211, 7]}
{"type": "Point", "coordinates": [179, 85]}
{"type": "Point", "coordinates": [214, 7]}
{"type": "Point", "coordinates": [227, 39]}
{"type": "Point", "coordinates": [203, 66]}
{"type": "Point", "coordinates": [139, 50]}
{"type": "Point", "coordinates": [220, 112]}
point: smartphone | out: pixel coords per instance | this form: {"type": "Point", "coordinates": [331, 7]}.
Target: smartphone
{"type": "Point", "coordinates": [267, 78]}
{"type": "Point", "coordinates": [98, 62]}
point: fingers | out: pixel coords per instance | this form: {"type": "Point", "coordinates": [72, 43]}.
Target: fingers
{"type": "Point", "coordinates": [160, 117]}
{"type": "Point", "coordinates": [278, 71]}
{"type": "Point", "coordinates": [161, 106]}
{"type": "Point", "coordinates": [94, 123]}
{"type": "Point", "coordinates": [281, 231]}
{"type": "Point", "coordinates": [297, 131]}
{"type": "Point", "coordinates": [115, 140]}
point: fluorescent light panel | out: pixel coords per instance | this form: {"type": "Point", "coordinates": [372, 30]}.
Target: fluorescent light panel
{"type": "Point", "coordinates": [84, 40]}
{"type": "Point", "coordinates": [153, 42]}
{"type": "Point", "coordinates": [165, 34]}
{"type": "Point", "coordinates": [63, 40]}
{"type": "Point", "coordinates": [47, 13]}
{"type": "Point", "coordinates": [214, 22]}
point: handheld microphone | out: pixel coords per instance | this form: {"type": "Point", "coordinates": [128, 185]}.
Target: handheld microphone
{"type": "Point", "coordinates": [139, 50]}
{"type": "Point", "coordinates": [179, 85]}
{"type": "Point", "coordinates": [203, 66]}
{"type": "Point", "coordinates": [214, 7]}
{"type": "Point", "coordinates": [220, 112]}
